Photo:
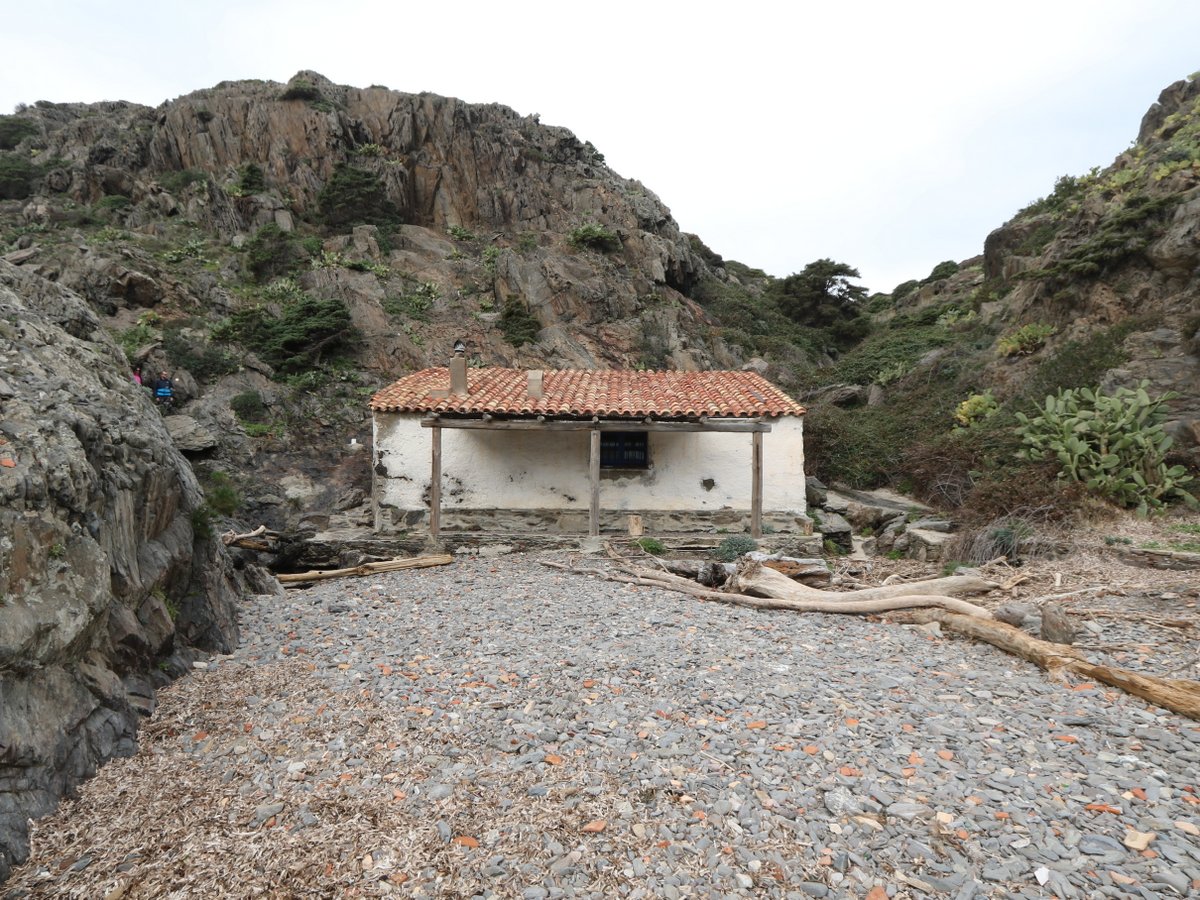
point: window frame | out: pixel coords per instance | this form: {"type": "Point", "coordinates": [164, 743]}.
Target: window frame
{"type": "Point", "coordinates": [616, 448]}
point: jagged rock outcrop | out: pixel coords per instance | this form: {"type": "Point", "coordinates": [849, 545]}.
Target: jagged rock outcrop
{"type": "Point", "coordinates": [517, 184]}
{"type": "Point", "coordinates": [103, 574]}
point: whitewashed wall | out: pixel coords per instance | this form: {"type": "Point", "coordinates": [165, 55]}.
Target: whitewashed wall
{"type": "Point", "coordinates": [536, 470]}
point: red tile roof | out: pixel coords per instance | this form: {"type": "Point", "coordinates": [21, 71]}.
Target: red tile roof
{"type": "Point", "coordinates": [614, 392]}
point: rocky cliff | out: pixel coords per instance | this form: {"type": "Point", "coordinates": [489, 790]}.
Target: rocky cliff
{"type": "Point", "coordinates": [108, 575]}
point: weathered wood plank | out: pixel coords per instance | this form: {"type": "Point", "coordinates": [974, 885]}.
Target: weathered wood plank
{"type": "Point", "coordinates": [742, 426]}
{"type": "Point", "coordinates": [435, 486]}
{"type": "Point", "coordinates": [594, 484]}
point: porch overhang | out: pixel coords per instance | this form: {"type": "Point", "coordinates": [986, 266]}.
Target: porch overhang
{"type": "Point", "coordinates": [756, 427]}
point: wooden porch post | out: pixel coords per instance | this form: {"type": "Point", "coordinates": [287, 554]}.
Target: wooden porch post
{"type": "Point", "coordinates": [435, 486]}
{"type": "Point", "coordinates": [594, 479]}
{"type": "Point", "coordinates": [756, 486]}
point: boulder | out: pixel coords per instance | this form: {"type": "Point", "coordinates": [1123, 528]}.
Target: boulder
{"type": "Point", "coordinates": [814, 492]}
{"type": "Point", "coordinates": [835, 528]}
{"type": "Point", "coordinates": [923, 544]}
{"type": "Point", "coordinates": [189, 435]}
{"type": "Point", "coordinates": [1057, 626]}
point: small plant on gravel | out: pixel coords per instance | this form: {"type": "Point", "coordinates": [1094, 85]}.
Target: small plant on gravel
{"type": "Point", "coordinates": [733, 547]}
{"type": "Point", "coordinates": [653, 546]}
{"type": "Point", "coordinates": [894, 554]}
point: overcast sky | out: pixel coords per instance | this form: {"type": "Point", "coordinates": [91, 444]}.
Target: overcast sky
{"type": "Point", "coordinates": [887, 135]}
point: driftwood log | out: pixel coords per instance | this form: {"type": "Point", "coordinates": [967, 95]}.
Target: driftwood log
{"type": "Point", "coordinates": [1176, 694]}
{"type": "Point", "coordinates": [760, 581]}
{"type": "Point", "coordinates": [389, 565]}
{"type": "Point", "coordinates": [813, 600]}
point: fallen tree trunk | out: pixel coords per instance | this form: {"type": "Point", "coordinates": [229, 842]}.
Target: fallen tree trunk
{"type": "Point", "coordinates": [823, 601]}
{"type": "Point", "coordinates": [1176, 694]}
{"type": "Point", "coordinates": [753, 578]}
{"type": "Point", "coordinates": [390, 565]}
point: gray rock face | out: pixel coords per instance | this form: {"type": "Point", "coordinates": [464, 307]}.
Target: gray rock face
{"type": "Point", "coordinates": [101, 572]}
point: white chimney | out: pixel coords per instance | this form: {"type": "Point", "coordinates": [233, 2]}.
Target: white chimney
{"type": "Point", "coordinates": [458, 370]}
{"type": "Point", "coordinates": [534, 390]}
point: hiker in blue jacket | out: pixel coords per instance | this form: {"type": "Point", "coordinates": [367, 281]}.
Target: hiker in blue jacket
{"type": "Point", "coordinates": [164, 391]}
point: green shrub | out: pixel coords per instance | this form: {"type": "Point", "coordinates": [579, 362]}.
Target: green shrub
{"type": "Point", "coordinates": [593, 236]}
{"type": "Point", "coordinates": [976, 409]}
{"type": "Point", "coordinates": [135, 338]}
{"type": "Point", "coordinates": [248, 406]}
{"type": "Point", "coordinates": [1113, 443]}
{"type": "Point", "coordinates": [653, 546]}
{"type": "Point", "coordinates": [271, 253]}
{"type": "Point", "coordinates": [222, 496]}
{"type": "Point", "coordinates": [355, 196]}
{"type": "Point", "coordinates": [414, 304]}
{"type": "Point", "coordinates": [306, 331]}
{"type": "Point", "coordinates": [301, 89]}
{"type": "Point", "coordinates": [205, 361]}
{"type": "Point", "coordinates": [251, 179]}
{"type": "Point", "coordinates": [13, 130]}
{"type": "Point", "coordinates": [191, 250]}
{"type": "Point", "coordinates": [461, 234]}
{"type": "Point", "coordinates": [1067, 191]}
{"type": "Point", "coordinates": [491, 258]}
{"type": "Point", "coordinates": [1025, 340]}
{"type": "Point", "coordinates": [175, 182]}
{"type": "Point", "coordinates": [202, 523]}
{"type": "Point", "coordinates": [518, 324]}
{"type": "Point", "coordinates": [1084, 361]}
{"type": "Point", "coordinates": [902, 290]}
{"type": "Point", "coordinates": [111, 204]}
{"type": "Point", "coordinates": [942, 270]}
{"type": "Point", "coordinates": [262, 429]}
{"type": "Point", "coordinates": [17, 175]}
{"type": "Point", "coordinates": [899, 343]}
{"type": "Point", "coordinates": [732, 548]}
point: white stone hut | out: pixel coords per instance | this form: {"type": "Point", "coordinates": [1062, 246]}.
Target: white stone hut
{"type": "Point", "coordinates": [513, 451]}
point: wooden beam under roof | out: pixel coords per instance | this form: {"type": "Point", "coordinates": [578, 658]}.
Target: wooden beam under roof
{"type": "Point", "coordinates": [740, 426]}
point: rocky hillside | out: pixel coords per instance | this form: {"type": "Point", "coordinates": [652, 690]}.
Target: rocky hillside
{"type": "Point", "coordinates": [110, 577]}
{"type": "Point", "coordinates": [1097, 285]}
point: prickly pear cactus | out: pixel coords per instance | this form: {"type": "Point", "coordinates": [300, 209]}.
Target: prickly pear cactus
{"type": "Point", "coordinates": [1113, 443]}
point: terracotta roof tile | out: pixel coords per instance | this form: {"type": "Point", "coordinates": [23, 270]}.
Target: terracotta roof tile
{"type": "Point", "coordinates": [614, 392]}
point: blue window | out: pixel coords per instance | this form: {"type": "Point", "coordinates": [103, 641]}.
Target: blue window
{"type": "Point", "coordinates": [624, 450]}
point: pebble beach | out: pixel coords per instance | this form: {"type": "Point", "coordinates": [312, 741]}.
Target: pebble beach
{"type": "Point", "coordinates": [497, 728]}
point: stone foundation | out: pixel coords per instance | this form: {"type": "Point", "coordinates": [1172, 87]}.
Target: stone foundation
{"type": "Point", "coordinates": [575, 521]}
